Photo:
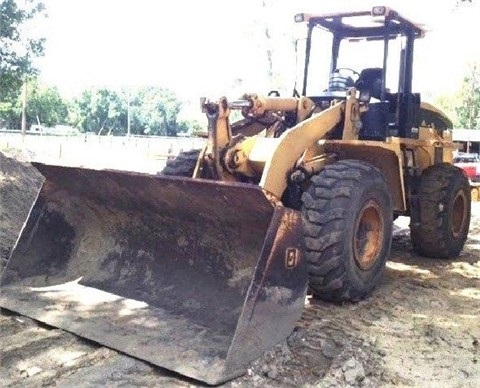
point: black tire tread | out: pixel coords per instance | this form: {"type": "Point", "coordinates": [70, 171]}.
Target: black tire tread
{"type": "Point", "coordinates": [183, 164]}
{"type": "Point", "coordinates": [324, 215]}
{"type": "Point", "coordinates": [429, 235]}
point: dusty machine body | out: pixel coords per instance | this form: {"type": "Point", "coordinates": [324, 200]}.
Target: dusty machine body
{"type": "Point", "coordinates": [203, 268]}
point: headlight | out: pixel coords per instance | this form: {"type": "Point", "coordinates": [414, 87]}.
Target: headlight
{"type": "Point", "coordinates": [379, 11]}
{"type": "Point", "coordinates": [299, 17]}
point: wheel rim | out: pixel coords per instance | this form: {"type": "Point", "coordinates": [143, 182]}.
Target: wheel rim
{"type": "Point", "coordinates": [368, 235]}
{"type": "Point", "coordinates": [459, 214]}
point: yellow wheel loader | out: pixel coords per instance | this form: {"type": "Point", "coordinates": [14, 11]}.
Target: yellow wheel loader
{"type": "Point", "coordinates": [201, 269]}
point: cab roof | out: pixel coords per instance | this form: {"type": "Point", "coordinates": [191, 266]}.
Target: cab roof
{"type": "Point", "coordinates": [376, 23]}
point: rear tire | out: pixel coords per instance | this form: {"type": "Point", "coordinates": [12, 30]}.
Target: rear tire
{"type": "Point", "coordinates": [440, 217]}
{"type": "Point", "coordinates": [347, 217]}
{"type": "Point", "coordinates": [182, 165]}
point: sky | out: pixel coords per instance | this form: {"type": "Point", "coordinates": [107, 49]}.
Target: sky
{"type": "Point", "coordinates": [199, 48]}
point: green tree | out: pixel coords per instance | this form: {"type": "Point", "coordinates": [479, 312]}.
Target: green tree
{"type": "Point", "coordinates": [153, 111]}
{"type": "Point", "coordinates": [156, 111]}
{"type": "Point", "coordinates": [10, 113]}
{"type": "Point", "coordinates": [99, 110]}
{"type": "Point", "coordinates": [468, 108]}
{"type": "Point", "coordinates": [18, 47]}
{"type": "Point", "coordinates": [448, 103]}
{"type": "Point", "coordinates": [46, 106]}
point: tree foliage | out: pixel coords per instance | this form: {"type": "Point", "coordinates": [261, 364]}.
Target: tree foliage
{"type": "Point", "coordinates": [156, 111]}
{"type": "Point", "coordinates": [10, 113]}
{"type": "Point", "coordinates": [98, 110]}
{"type": "Point", "coordinates": [46, 106]}
{"type": "Point", "coordinates": [153, 111]}
{"type": "Point", "coordinates": [18, 47]}
{"type": "Point", "coordinates": [468, 108]}
{"type": "Point", "coordinates": [463, 106]}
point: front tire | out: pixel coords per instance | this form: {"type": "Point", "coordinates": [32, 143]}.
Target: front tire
{"type": "Point", "coordinates": [347, 217]}
{"type": "Point", "coordinates": [440, 216]}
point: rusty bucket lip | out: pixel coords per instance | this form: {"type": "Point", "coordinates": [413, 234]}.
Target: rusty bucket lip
{"type": "Point", "coordinates": [44, 169]}
{"type": "Point", "coordinates": [69, 178]}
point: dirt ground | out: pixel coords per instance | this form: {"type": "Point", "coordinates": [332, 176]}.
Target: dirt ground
{"type": "Point", "coordinates": [420, 327]}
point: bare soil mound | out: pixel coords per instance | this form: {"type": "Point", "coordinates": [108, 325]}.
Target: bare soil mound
{"type": "Point", "coordinates": [19, 185]}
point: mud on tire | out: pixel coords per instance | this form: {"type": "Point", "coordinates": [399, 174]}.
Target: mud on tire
{"type": "Point", "coordinates": [440, 215]}
{"type": "Point", "coordinates": [182, 165]}
{"type": "Point", "coordinates": [347, 220]}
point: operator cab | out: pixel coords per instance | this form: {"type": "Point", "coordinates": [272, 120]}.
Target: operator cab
{"type": "Point", "coordinates": [364, 38]}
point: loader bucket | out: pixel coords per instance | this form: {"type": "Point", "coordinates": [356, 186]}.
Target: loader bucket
{"type": "Point", "coordinates": [195, 276]}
